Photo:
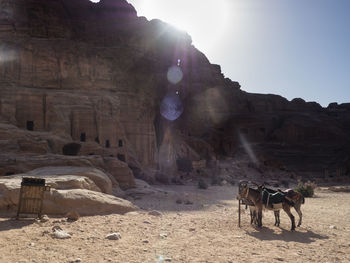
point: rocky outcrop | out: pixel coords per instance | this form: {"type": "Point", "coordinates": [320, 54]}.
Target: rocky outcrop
{"type": "Point", "coordinates": [82, 189]}
{"type": "Point", "coordinates": [101, 180]}
{"type": "Point", "coordinates": [138, 91]}
{"type": "Point", "coordinates": [16, 159]}
{"type": "Point", "coordinates": [301, 136]}
{"type": "Point", "coordinates": [85, 202]}
{"type": "Point", "coordinates": [120, 172]}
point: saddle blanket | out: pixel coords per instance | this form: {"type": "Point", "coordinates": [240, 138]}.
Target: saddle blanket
{"type": "Point", "coordinates": [270, 198]}
{"type": "Point", "coordinates": [291, 194]}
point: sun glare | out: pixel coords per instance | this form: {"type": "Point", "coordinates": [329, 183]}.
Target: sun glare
{"type": "Point", "coordinates": [204, 20]}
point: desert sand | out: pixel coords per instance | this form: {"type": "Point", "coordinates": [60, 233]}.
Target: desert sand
{"type": "Point", "coordinates": [200, 227]}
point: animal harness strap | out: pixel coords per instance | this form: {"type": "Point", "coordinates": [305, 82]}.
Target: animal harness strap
{"type": "Point", "coordinates": [268, 199]}
{"type": "Point", "coordinates": [246, 196]}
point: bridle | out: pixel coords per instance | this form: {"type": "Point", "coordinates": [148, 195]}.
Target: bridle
{"type": "Point", "coordinates": [246, 195]}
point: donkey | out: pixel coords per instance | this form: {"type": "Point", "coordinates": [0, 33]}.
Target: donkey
{"type": "Point", "coordinates": [253, 210]}
{"type": "Point", "coordinates": [295, 199]}
{"type": "Point", "coordinates": [256, 197]}
{"type": "Point", "coordinates": [253, 215]}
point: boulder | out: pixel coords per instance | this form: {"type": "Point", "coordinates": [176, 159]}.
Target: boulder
{"type": "Point", "coordinates": [84, 202]}
{"type": "Point", "coordinates": [99, 178]}
{"type": "Point", "coordinates": [142, 188]}
{"type": "Point", "coordinates": [120, 172]}
{"type": "Point", "coordinates": [55, 181]}
{"type": "Point", "coordinates": [60, 202]}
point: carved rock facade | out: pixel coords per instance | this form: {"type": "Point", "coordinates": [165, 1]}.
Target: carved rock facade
{"type": "Point", "coordinates": [97, 75]}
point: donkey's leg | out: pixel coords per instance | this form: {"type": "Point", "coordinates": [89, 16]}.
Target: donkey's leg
{"type": "Point", "coordinates": [277, 217]}
{"type": "Point", "coordinates": [297, 207]}
{"type": "Point", "coordinates": [255, 221]}
{"type": "Point", "coordinates": [251, 211]}
{"type": "Point", "coordinates": [286, 209]}
{"type": "Point", "coordinates": [259, 216]}
{"type": "Point", "coordinates": [253, 216]}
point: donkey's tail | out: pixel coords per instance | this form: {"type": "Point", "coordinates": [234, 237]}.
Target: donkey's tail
{"type": "Point", "coordinates": [303, 199]}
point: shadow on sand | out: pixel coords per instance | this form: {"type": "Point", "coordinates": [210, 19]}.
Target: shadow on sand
{"type": "Point", "coordinates": [187, 198]}
{"type": "Point", "coordinates": [289, 236]}
{"type": "Point", "coordinates": [12, 223]}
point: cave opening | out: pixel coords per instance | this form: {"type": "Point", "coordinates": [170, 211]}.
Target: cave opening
{"type": "Point", "coordinates": [121, 157]}
{"type": "Point", "coordinates": [30, 125]}
{"type": "Point", "coordinates": [83, 137]}
{"type": "Point", "coordinates": [71, 149]}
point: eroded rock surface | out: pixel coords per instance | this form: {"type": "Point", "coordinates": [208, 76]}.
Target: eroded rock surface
{"type": "Point", "coordinates": [75, 72]}
{"type": "Point", "coordinates": [72, 189]}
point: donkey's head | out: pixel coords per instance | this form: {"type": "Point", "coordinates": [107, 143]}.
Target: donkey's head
{"type": "Point", "coordinates": [242, 189]}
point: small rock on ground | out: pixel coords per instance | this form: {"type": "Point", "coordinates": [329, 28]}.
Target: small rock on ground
{"type": "Point", "coordinates": [72, 216]}
{"type": "Point", "coordinates": [44, 218]}
{"type": "Point", "coordinates": [155, 213]}
{"type": "Point", "coordinates": [113, 236]}
{"type": "Point", "coordinates": [60, 234]}
{"type": "Point", "coordinates": [163, 235]}
{"type": "Point", "coordinates": [76, 260]}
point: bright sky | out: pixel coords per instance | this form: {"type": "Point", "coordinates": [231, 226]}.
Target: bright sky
{"type": "Point", "coordinates": [294, 48]}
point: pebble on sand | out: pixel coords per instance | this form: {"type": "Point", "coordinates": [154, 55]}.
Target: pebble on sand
{"type": "Point", "coordinates": [163, 235]}
{"type": "Point", "coordinates": [44, 218]}
{"type": "Point", "coordinates": [155, 213]}
{"type": "Point", "coordinates": [113, 236]}
{"type": "Point", "coordinates": [59, 233]}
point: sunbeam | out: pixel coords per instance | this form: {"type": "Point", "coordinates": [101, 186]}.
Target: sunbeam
{"type": "Point", "coordinates": [248, 149]}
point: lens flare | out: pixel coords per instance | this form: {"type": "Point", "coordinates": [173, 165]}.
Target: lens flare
{"type": "Point", "coordinates": [213, 104]}
{"type": "Point", "coordinates": [174, 74]}
{"type": "Point", "coordinates": [171, 107]}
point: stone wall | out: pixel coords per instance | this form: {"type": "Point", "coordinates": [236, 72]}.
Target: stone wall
{"type": "Point", "coordinates": [96, 74]}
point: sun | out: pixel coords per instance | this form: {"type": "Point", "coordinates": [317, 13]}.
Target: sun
{"type": "Point", "coordinates": [205, 20]}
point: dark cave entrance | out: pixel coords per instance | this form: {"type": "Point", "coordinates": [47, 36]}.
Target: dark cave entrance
{"type": "Point", "coordinates": [83, 137]}
{"type": "Point", "coordinates": [71, 149]}
{"type": "Point", "coordinates": [30, 125]}
{"type": "Point", "coordinates": [121, 157]}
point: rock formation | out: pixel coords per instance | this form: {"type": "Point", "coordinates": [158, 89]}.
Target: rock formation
{"type": "Point", "coordinates": [82, 189]}
{"type": "Point", "coordinates": [124, 88]}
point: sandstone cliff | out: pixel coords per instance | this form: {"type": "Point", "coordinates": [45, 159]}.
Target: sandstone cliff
{"type": "Point", "coordinates": [139, 91]}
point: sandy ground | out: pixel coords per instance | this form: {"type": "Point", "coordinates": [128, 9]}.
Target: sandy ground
{"type": "Point", "coordinates": [205, 231]}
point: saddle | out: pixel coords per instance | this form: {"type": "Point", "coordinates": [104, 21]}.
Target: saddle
{"type": "Point", "coordinates": [291, 195]}
{"type": "Point", "coordinates": [272, 198]}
